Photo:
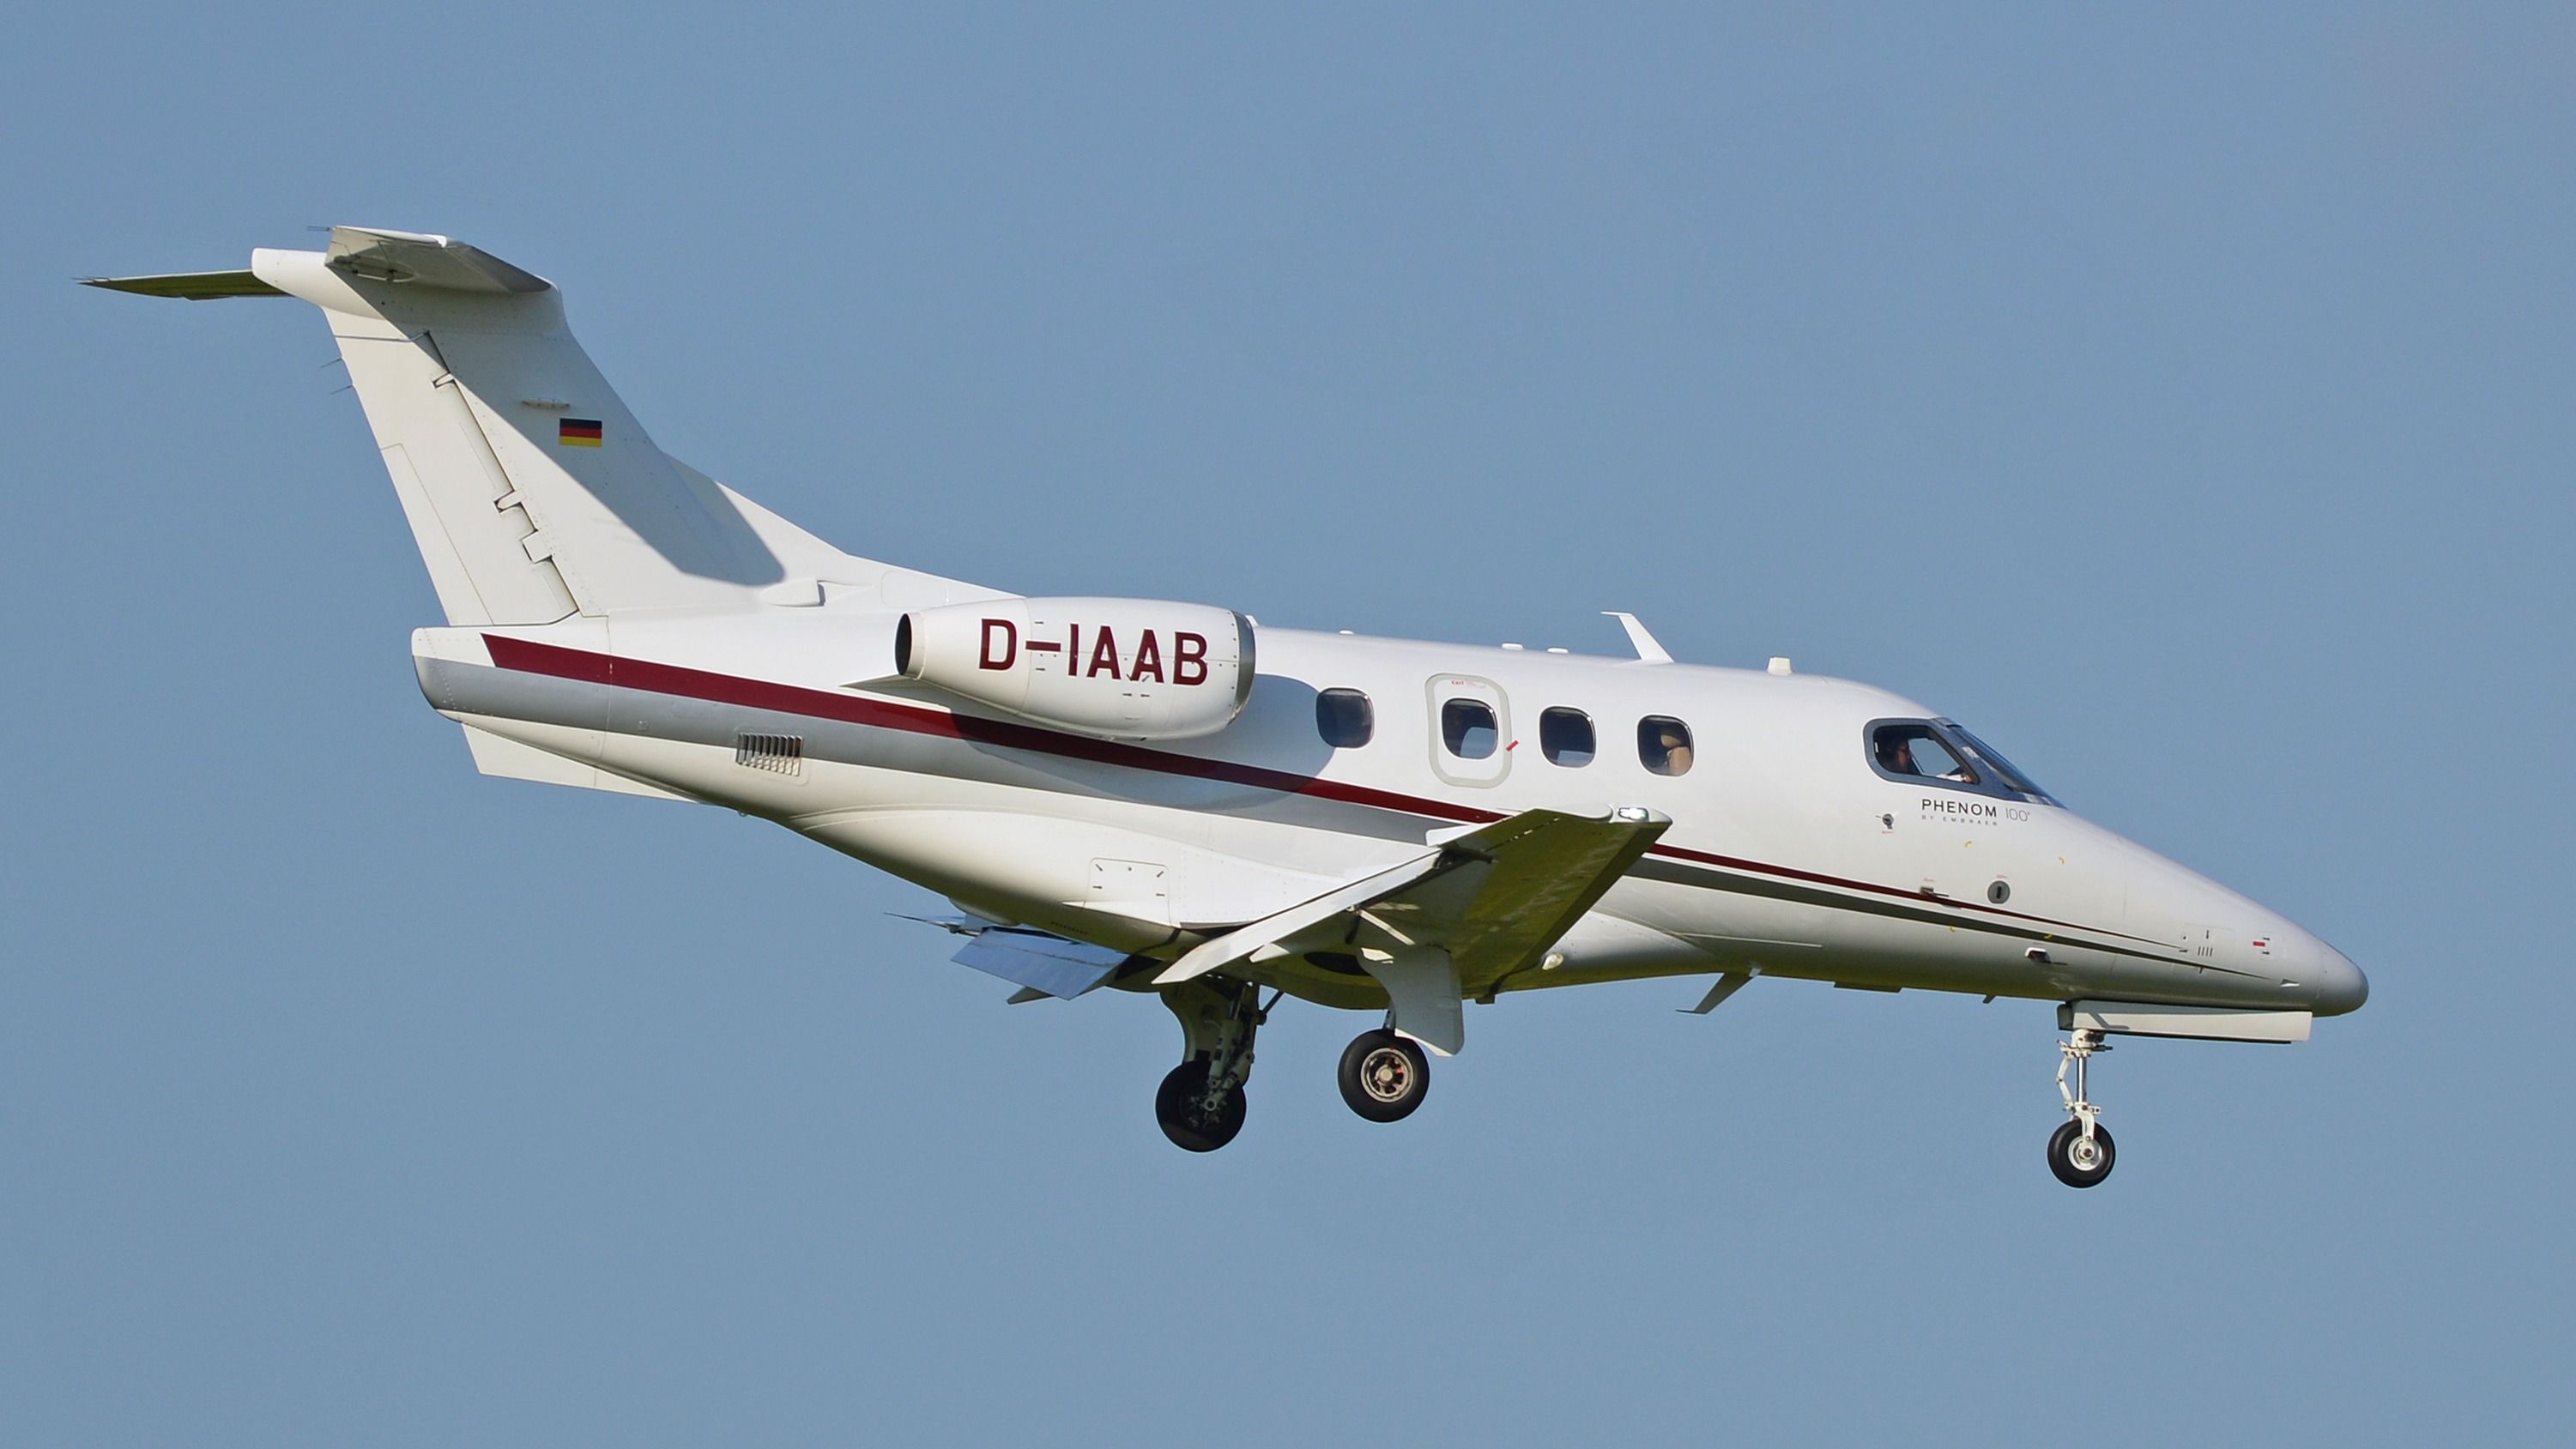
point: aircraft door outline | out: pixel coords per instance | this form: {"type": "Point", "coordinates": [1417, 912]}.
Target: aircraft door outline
{"type": "Point", "coordinates": [1471, 730]}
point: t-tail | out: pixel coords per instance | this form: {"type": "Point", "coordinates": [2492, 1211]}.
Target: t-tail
{"type": "Point", "coordinates": [532, 492]}
{"type": "Point", "coordinates": [534, 496]}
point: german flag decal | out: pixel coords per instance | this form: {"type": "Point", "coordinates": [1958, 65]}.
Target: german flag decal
{"type": "Point", "coordinates": [578, 432]}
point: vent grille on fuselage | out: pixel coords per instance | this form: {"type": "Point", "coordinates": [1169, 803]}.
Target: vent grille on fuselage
{"type": "Point", "coordinates": [782, 753]}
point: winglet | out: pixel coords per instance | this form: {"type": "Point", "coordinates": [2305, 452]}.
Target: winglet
{"type": "Point", "coordinates": [1648, 650]}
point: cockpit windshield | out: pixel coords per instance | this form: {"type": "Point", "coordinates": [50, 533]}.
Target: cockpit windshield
{"type": "Point", "coordinates": [1938, 752]}
{"type": "Point", "coordinates": [2005, 775]}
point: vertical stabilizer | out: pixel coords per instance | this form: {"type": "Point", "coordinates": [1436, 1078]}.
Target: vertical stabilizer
{"type": "Point", "coordinates": [531, 490]}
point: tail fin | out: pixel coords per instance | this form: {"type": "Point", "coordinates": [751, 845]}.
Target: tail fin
{"type": "Point", "coordinates": [532, 492]}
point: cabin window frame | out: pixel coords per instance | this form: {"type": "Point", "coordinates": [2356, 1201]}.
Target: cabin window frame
{"type": "Point", "coordinates": [1493, 725]}
{"type": "Point", "coordinates": [1367, 717]}
{"type": "Point", "coordinates": [1591, 735]}
{"type": "Point", "coordinates": [1479, 774]}
{"type": "Point", "coordinates": [1690, 742]}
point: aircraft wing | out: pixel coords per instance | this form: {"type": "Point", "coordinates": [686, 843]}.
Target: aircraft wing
{"type": "Point", "coordinates": [1493, 900]}
{"type": "Point", "coordinates": [1035, 961]}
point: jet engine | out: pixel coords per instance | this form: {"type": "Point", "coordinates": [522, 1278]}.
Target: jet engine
{"type": "Point", "coordinates": [1126, 669]}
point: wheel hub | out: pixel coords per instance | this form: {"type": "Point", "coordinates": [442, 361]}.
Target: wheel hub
{"type": "Point", "coordinates": [1387, 1074]}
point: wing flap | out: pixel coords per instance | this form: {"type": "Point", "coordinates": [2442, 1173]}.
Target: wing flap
{"type": "Point", "coordinates": [1036, 961]}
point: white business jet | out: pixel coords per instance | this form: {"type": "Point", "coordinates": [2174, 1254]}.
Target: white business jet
{"type": "Point", "coordinates": [1172, 799]}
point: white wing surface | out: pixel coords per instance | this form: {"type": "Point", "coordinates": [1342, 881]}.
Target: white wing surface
{"type": "Point", "coordinates": [1454, 922]}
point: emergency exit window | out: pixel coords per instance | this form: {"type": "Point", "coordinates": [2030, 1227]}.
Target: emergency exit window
{"type": "Point", "coordinates": [1469, 729]}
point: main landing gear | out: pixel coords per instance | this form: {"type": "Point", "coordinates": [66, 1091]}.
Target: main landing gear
{"type": "Point", "coordinates": [1196, 1118]}
{"type": "Point", "coordinates": [1200, 1105]}
{"type": "Point", "coordinates": [2080, 1151]}
{"type": "Point", "coordinates": [1384, 1076]}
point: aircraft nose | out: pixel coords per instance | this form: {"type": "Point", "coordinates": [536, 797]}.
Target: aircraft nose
{"type": "Point", "coordinates": [2340, 985]}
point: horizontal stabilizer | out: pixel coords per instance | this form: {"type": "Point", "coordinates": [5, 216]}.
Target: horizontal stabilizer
{"type": "Point", "coordinates": [193, 286]}
{"type": "Point", "coordinates": [421, 260]}
{"type": "Point", "coordinates": [1041, 962]}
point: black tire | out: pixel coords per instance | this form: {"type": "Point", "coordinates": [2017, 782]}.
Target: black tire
{"type": "Point", "coordinates": [2062, 1155]}
{"type": "Point", "coordinates": [1177, 1109]}
{"type": "Point", "coordinates": [1384, 1076]}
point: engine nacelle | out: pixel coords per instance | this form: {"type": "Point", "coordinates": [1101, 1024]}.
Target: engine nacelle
{"type": "Point", "coordinates": [1127, 669]}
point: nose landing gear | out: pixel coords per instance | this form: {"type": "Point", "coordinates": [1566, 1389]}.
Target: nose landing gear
{"type": "Point", "coordinates": [2080, 1151]}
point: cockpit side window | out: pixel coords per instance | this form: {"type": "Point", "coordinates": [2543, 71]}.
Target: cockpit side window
{"type": "Point", "coordinates": [1914, 751]}
{"type": "Point", "coordinates": [1938, 752]}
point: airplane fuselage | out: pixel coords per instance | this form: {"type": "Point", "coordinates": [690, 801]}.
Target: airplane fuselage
{"type": "Point", "coordinates": [1788, 854]}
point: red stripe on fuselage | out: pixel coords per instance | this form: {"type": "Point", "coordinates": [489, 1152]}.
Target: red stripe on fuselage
{"type": "Point", "coordinates": [581, 664]}
{"type": "Point", "coordinates": [527, 657]}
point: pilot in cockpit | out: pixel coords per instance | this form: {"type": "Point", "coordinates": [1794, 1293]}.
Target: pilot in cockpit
{"type": "Point", "coordinates": [1896, 753]}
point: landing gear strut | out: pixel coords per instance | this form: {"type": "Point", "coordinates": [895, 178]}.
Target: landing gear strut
{"type": "Point", "coordinates": [1200, 1105]}
{"type": "Point", "coordinates": [2080, 1151]}
{"type": "Point", "coordinates": [1181, 1105]}
{"type": "Point", "coordinates": [1384, 1076]}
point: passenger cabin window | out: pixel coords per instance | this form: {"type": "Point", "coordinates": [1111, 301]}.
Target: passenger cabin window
{"type": "Point", "coordinates": [1664, 745]}
{"type": "Point", "coordinates": [1344, 719]}
{"type": "Point", "coordinates": [1565, 737]}
{"type": "Point", "coordinates": [1468, 728]}
{"type": "Point", "coordinates": [1938, 752]}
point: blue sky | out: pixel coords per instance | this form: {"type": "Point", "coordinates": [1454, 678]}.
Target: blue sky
{"type": "Point", "coordinates": [2180, 400]}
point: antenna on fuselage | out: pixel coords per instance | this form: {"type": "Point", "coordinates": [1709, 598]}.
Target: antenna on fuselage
{"type": "Point", "coordinates": [1648, 650]}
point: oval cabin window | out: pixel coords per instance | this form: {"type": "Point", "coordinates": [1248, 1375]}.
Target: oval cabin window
{"type": "Point", "coordinates": [1565, 737]}
{"type": "Point", "coordinates": [1664, 745]}
{"type": "Point", "coordinates": [1344, 719]}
